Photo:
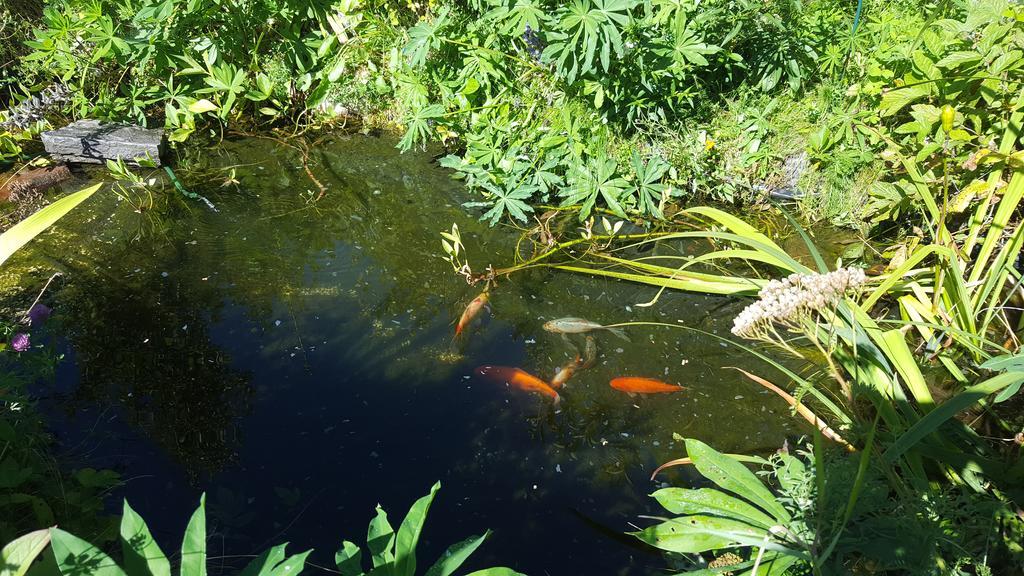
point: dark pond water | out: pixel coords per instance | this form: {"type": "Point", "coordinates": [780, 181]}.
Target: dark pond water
{"type": "Point", "coordinates": [294, 361]}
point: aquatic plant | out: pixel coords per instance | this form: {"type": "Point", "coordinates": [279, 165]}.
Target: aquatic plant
{"type": "Point", "coordinates": [820, 511]}
{"type": "Point", "coordinates": [395, 553]}
{"type": "Point", "coordinates": [70, 555]}
{"type": "Point", "coordinates": [392, 554]}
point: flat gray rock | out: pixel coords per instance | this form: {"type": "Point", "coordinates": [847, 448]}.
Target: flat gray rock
{"type": "Point", "coordinates": [95, 142]}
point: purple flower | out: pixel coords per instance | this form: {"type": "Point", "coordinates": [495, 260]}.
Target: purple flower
{"type": "Point", "coordinates": [39, 313]}
{"type": "Point", "coordinates": [20, 342]}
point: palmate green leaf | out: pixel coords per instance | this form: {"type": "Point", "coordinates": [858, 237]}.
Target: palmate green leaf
{"type": "Point", "coordinates": [456, 555]}
{"type": "Point", "coordinates": [418, 126]}
{"type": "Point", "coordinates": [587, 29]}
{"type": "Point", "coordinates": [76, 557]}
{"type": "Point", "coordinates": [423, 37]}
{"type": "Point", "coordinates": [513, 202]}
{"type": "Point", "coordinates": [514, 20]}
{"type": "Point", "coordinates": [686, 46]}
{"type": "Point", "coordinates": [409, 534]}
{"type": "Point", "coordinates": [23, 232]}
{"type": "Point", "coordinates": [943, 412]}
{"type": "Point", "coordinates": [735, 477]}
{"type": "Point", "coordinates": [695, 534]}
{"type": "Point", "coordinates": [648, 186]}
{"type": "Point", "coordinates": [139, 551]}
{"type": "Point", "coordinates": [19, 554]}
{"type": "Point", "coordinates": [597, 178]}
{"type": "Point", "coordinates": [193, 546]}
{"type": "Point", "coordinates": [711, 502]}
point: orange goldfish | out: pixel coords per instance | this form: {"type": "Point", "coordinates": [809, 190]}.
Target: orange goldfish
{"type": "Point", "coordinates": [470, 312]}
{"type": "Point", "coordinates": [519, 379]}
{"type": "Point", "coordinates": [566, 372]}
{"type": "Point", "coordinates": [643, 385]}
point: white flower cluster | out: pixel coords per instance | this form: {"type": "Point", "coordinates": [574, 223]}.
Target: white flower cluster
{"type": "Point", "coordinates": [789, 300]}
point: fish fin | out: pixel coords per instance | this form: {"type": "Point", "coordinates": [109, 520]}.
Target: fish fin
{"type": "Point", "coordinates": [620, 333]}
{"type": "Point", "coordinates": [558, 400]}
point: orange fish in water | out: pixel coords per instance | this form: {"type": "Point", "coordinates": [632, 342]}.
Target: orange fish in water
{"type": "Point", "coordinates": [566, 372]}
{"type": "Point", "coordinates": [519, 379]}
{"type": "Point", "coordinates": [470, 312]}
{"type": "Point", "coordinates": [643, 385]}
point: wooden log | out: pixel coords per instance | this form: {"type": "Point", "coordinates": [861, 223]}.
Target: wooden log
{"type": "Point", "coordinates": [32, 181]}
{"type": "Point", "coordinates": [92, 141]}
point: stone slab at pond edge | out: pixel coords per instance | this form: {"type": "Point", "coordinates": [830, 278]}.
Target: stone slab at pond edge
{"type": "Point", "coordinates": [92, 141]}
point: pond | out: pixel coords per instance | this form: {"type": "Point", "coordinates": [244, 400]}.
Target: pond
{"type": "Point", "coordinates": [294, 360]}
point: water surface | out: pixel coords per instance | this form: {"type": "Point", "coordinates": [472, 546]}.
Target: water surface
{"type": "Point", "coordinates": [294, 361]}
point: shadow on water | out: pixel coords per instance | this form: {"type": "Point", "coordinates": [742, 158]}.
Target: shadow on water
{"type": "Point", "coordinates": [294, 361]}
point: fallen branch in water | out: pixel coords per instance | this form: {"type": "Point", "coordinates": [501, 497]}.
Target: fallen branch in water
{"type": "Point", "coordinates": [687, 460]}
{"type": "Point", "coordinates": [801, 409]}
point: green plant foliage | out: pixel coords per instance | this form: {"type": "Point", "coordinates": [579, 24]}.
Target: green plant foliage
{"type": "Point", "coordinates": [395, 554]}
{"type": "Point", "coordinates": [838, 511]}
{"type": "Point", "coordinates": [23, 232]}
{"type": "Point", "coordinates": [17, 556]}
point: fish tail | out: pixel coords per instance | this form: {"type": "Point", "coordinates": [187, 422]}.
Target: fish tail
{"type": "Point", "coordinates": [620, 333]}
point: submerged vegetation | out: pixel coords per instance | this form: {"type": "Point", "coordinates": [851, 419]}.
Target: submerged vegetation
{"type": "Point", "coordinates": [599, 127]}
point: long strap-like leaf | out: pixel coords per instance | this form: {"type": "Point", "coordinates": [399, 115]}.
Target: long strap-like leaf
{"type": "Point", "coordinates": [947, 410]}
{"type": "Point", "coordinates": [23, 232]}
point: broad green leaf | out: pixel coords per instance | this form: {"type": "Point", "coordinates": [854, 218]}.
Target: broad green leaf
{"type": "Point", "coordinates": [934, 419]}
{"type": "Point", "coordinates": [193, 547]}
{"type": "Point", "coordinates": [24, 231]}
{"type": "Point", "coordinates": [895, 99]}
{"type": "Point", "coordinates": [456, 554]}
{"type": "Point", "coordinates": [141, 554]}
{"type": "Point", "coordinates": [1008, 392]}
{"type": "Point", "coordinates": [19, 554]}
{"type": "Point", "coordinates": [895, 346]}
{"type": "Point", "coordinates": [773, 567]}
{"type": "Point", "coordinates": [496, 572]}
{"type": "Point", "coordinates": [409, 534]}
{"type": "Point", "coordinates": [711, 502]}
{"type": "Point", "coordinates": [201, 106]}
{"type": "Point", "coordinates": [735, 477]}
{"type": "Point", "coordinates": [349, 559]}
{"type": "Point", "coordinates": [1005, 363]}
{"type": "Point", "coordinates": [273, 563]}
{"type": "Point", "coordinates": [694, 534]}
{"type": "Point", "coordinates": [76, 557]}
{"type": "Point", "coordinates": [380, 539]}
{"type": "Point", "coordinates": [957, 58]}
{"type": "Point", "coordinates": [264, 563]}
{"type": "Point", "coordinates": [292, 565]}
